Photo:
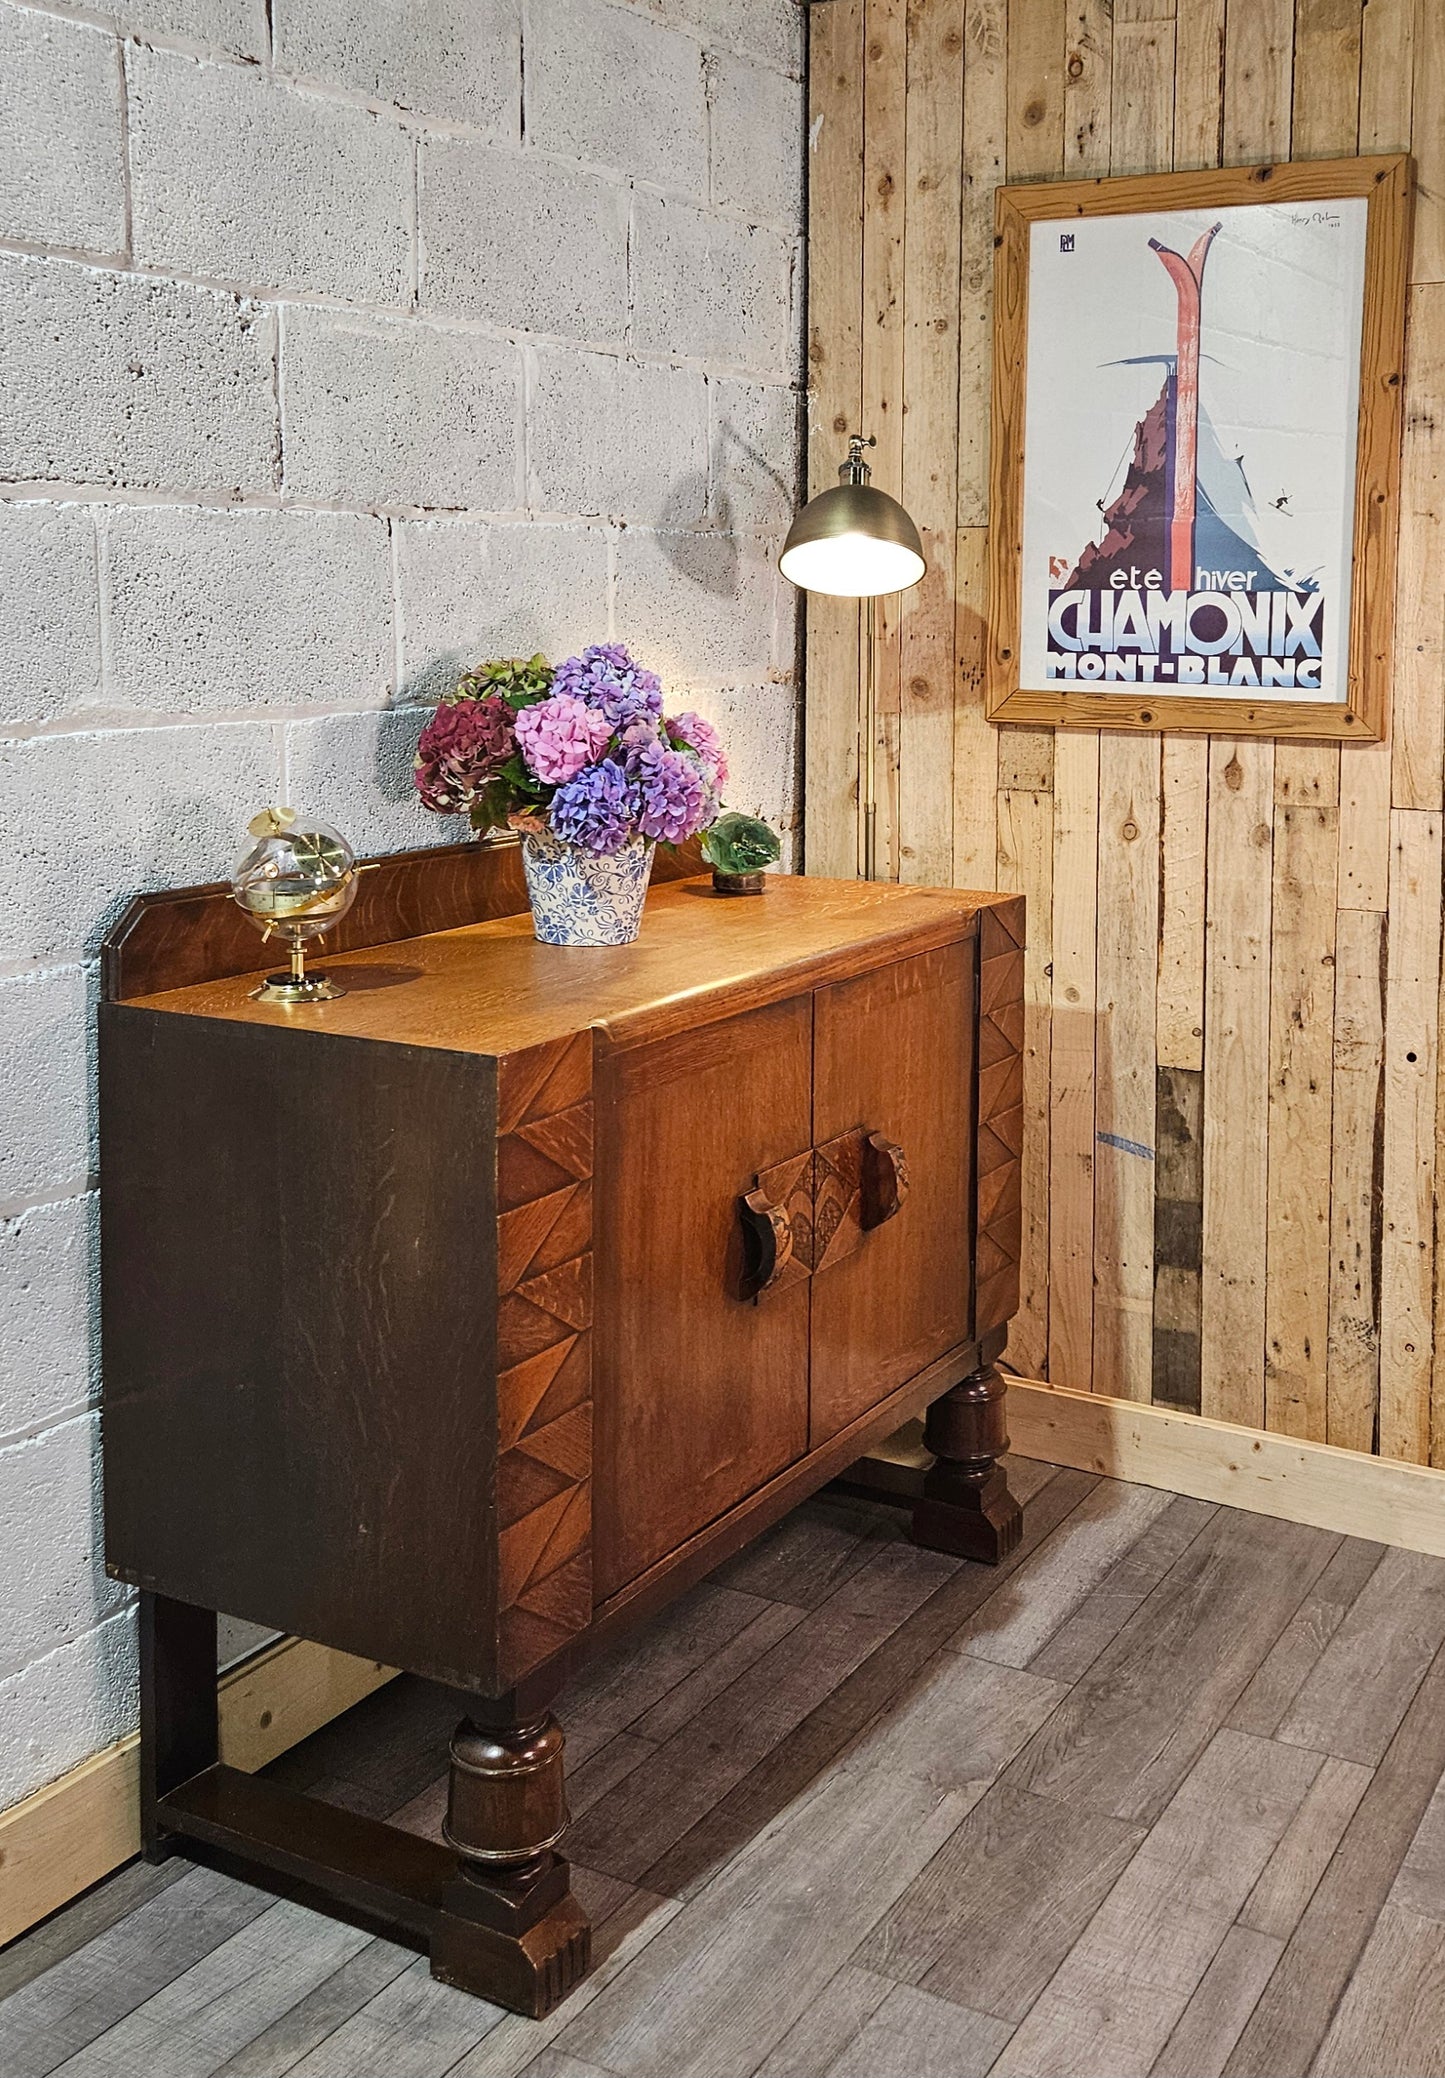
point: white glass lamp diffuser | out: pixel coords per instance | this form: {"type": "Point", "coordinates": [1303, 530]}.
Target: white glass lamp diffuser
{"type": "Point", "coordinates": [855, 542]}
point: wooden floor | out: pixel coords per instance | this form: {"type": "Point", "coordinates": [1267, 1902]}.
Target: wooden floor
{"type": "Point", "coordinates": [1161, 1795]}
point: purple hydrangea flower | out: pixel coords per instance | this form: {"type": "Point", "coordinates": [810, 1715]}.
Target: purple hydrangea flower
{"type": "Point", "coordinates": [606, 677]}
{"type": "Point", "coordinates": [701, 737]}
{"type": "Point", "coordinates": [597, 809]}
{"type": "Point", "coordinates": [464, 745]}
{"type": "Point", "coordinates": [675, 801]}
{"type": "Point", "coordinates": [559, 735]}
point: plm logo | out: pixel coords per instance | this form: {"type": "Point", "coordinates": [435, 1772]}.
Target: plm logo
{"type": "Point", "coordinates": [1066, 241]}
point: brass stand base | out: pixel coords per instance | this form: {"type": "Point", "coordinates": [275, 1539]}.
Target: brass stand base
{"type": "Point", "coordinates": [283, 988]}
{"type": "Point", "coordinates": [736, 883]}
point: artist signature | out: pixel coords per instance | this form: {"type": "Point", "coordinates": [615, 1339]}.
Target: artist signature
{"type": "Point", "coordinates": [1318, 216]}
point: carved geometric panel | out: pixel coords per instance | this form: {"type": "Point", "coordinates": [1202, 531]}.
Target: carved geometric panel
{"type": "Point", "coordinates": [789, 1184]}
{"type": "Point", "coordinates": [544, 1363]}
{"type": "Point", "coordinates": [999, 1173]}
{"type": "Point", "coordinates": [837, 1199]}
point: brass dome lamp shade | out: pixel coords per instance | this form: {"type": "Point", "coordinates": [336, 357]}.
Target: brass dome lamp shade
{"type": "Point", "coordinates": [855, 542]}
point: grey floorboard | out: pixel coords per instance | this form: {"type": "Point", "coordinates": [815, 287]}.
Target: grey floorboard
{"type": "Point", "coordinates": [1162, 1792]}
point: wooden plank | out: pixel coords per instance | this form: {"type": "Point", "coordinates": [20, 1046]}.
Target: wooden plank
{"type": "Point", "coordinates": [836, 2017]}
{"type": "Point", "coordinates": [884, 403]}
{"type": "Point", "coordinates": [1103, 1614]}
{"type": "Point", "coordinates": [1141, 118]}
{"type": "Point", "coordinates": [1297, 1650]}
{"type": "Point", "coordinates": [1025, 867]}
{"type": "Point", "coordinates": [912, 2032]}
{"type": "Point", "coordinates": [1088, 77]}
{"type": "Point", "coordinates": [1286, 2028]}
{"type": "Point", "coordinates": [1293, 1871]}
{"type": "Point", "coordinates": [294, 2033]}
{"type": "Point", "coordinates": [1214, 2019]}
{"type": "Point", "coordinates": [1114, 2002]}
{"type": "Point", "coordinates": [1356, 1158]}
{"type": "Point", "coordinates": [1427, 261]}
{"type": "Point", "coordinates": [1407, 1244]}
{"type": "Point", "coordinates": [1002, 1903]}
{"type": "Point", "coordinates": [1105, 1525]}
{"type": "Point", "coordinates": [1417, 729]}
{"type": "Point", "coordinates": [1236, 1080]}
{"type": "Point", "coordinates": [933, 200]}
{"type": "Point", "coordinates": [1199, 85]}
{"type": "Point", "coordinates": [975, 740]}
{"type": "Point", "coordinates": [1387, 54]}
{"type": "Point", "coordinates": [835, 406]}
{"type": "Point", "coordinates": [1362, 1684]}
{"type": "Point", "coordinates": [1178, 1228]}
{"type": "Point", "coordinates": [1127, 955]}
{"type": "Point", "coordinates": [1183, 824]}
{"type": "Point", "coordinates": [985, 134]}
{"type": "Point", "coordinates": [1302, 1007]}
{"type": "Point", "coordinates": [1391, 2015]}
{"type": "Point", "coordinates": [1326, 81]}
{"type": "Point", "coordinates": [1282, 1476]}
{"type": "Point", "coordinates": [1072, 1059]}
{"type": "Point", "coordinates": [1257, 54]}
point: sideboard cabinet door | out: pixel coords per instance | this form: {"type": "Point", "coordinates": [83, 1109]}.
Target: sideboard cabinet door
{"type": "Point", "coordinates": [699, 1394]}
{"type": "Point", "coordinates": [893, 1059]}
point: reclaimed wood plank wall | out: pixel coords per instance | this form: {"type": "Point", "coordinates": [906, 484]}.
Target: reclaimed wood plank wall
{"type": "Point", "coordinates": [1233, 1090]}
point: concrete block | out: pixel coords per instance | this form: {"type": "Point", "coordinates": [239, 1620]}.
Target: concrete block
{"type": "Point", "coordinates": [214, 611]}
{"type": "Point", "coordinates": [62, 178]}
{"type": "Point", "coordinates": [767, 29]}
{"type": "Point", "coordinates": [49, 1319]}
{"type": "Point", "coordinates": [710, 287]}
{"type": "Point", "coordinates": [238, 26]}
{"type": "Point", "coordinates": [523, 242]}
{"type": "Point", "coordinates": [756, 124]}
{"type": "Point", "coordinates": [398, 412]}
{"type": "Point", "coordinates": [62, 1708]}
{"type": "Point", "coordinates": [701, 608]}
{"type": "Point", "coordinates": [49, 611]}
{"type": "Point", "coordinates": [616, 437]}
{"type": "Point", "coordinates": [92, 819]}
{"type": "Point", "coordinates": [357, 770]}
{"type": "Point", "coordinates": [755, 446]}
{"type": "Point", "coordinates": [467, 592]}
{"type": "Point", "coordinates": [459, 58]}
{"type": "Point", "coordinates": [237, 176]}
{"type": "Point", "coordinates": [47, 1127]}
{"type": "Point", "coordinates": [759, 726]}
{"type": "Point", "coordinates": [52, 1580]}
{"type": "Point", "coordinates": [617, 89]}
{"type": "Point", "coordinates": [176, 382]}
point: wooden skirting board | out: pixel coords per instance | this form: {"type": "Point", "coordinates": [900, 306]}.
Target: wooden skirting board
{"type": "Point", "coordinates": [55, 1844]}
{"type": "Point", "coordinates": [1382, 1499]}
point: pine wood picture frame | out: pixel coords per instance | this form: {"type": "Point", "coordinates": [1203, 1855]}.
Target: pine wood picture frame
{"type": "Point", "coordinates": [1015, 689]}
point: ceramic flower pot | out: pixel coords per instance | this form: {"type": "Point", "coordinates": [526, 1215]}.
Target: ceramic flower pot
{"type": "Point", "coordinates": [581, 897]}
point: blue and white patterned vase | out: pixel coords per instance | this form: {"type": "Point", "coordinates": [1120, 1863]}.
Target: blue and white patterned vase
{"type": "Point", "coordinates": [579, 897]}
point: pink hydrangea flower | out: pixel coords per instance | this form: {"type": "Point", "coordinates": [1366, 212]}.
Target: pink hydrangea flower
{"type": "Point", "coordinates": [559, 735]}
{"type": "Point", "coordinates": [700, 736]}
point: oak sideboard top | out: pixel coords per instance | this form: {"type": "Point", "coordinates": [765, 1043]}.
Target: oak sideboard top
{"type": "Point", "coordinates": [492, 988]}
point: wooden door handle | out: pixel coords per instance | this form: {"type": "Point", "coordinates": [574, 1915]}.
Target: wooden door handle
{"type": "Point", "coordinates": [767, 1242]}
{"type": "Point", "coordinates": [885, 1179]}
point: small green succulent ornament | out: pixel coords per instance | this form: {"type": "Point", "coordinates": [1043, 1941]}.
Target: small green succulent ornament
{"type": "Point", "coordinates": [740, 845]}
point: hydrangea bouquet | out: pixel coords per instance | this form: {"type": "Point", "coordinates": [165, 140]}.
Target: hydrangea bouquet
{"type": "Point", "coordinates": [584, 763]}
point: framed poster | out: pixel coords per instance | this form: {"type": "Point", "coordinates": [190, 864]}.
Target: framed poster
{"type": "Point", "coordinates": [1196, 449]}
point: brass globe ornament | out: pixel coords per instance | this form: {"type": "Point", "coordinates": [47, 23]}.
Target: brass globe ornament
{"type": "Point", "coordinates": [296, 879]}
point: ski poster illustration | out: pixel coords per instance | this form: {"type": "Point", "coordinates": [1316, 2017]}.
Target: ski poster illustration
{"type": "Point", "coordinates": [1193, 386]}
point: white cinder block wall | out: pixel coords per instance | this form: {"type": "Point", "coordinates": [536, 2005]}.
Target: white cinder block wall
{"type": "Point", "coordinates": [344, 342]}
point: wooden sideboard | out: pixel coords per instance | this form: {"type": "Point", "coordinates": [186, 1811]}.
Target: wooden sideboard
{"type": "Point", "coordinates": [463, 1320]}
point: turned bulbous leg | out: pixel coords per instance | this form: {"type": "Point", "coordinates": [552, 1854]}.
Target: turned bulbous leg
{"type": "Point", "coordinates": [511, 1928]}
{"type": "Point", "coordinates": [966, 1505]}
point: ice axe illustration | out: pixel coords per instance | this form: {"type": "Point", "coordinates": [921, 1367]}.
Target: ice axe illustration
{"type": "Point", "coordinates": [1186, 271]}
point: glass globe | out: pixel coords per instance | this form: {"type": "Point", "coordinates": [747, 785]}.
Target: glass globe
{"type": "Point", "coordinates": [297, 878]}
